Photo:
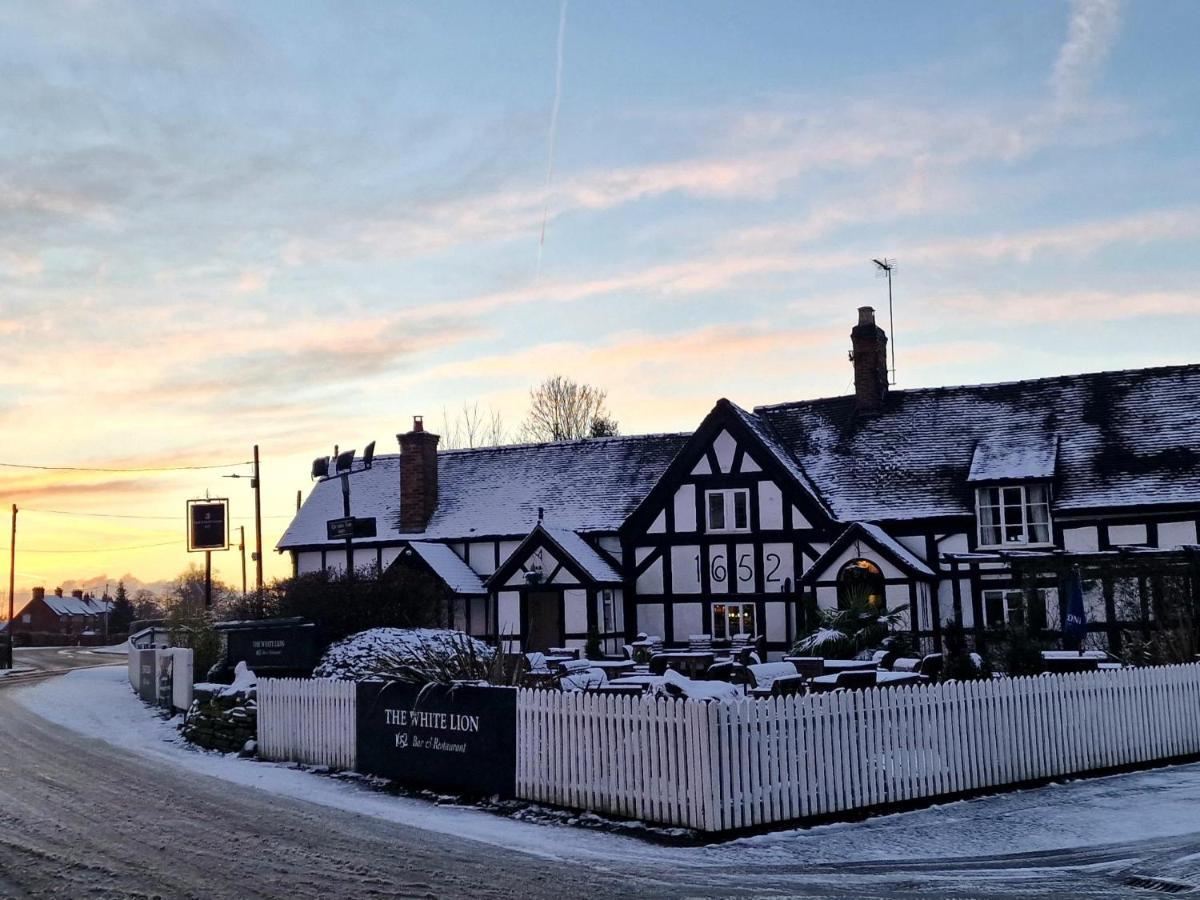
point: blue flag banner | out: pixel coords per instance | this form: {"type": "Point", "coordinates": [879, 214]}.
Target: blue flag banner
{"type": "Point", "coordinates": [1075, 623]}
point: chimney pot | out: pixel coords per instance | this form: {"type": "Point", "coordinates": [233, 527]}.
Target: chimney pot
{"type": "Point", "coordinates": [418, 423]}
{"type": "Point", "coordinates": [866, 315]}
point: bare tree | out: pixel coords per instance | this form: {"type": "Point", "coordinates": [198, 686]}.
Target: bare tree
{"type": "Point", "coordinates": [472, 427]}
{"type": "Point", "coordinates": [562, 410]}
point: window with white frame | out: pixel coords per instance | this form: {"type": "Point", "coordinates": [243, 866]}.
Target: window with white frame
{"type": "Point", "coordinates": [729, 619]}
{"type": "Point", "coordinates": [728, 510]}
{"type": "Point", "coordinates": [1013, 514]}
{"type": "Point", "coordinates": [1012, 607]}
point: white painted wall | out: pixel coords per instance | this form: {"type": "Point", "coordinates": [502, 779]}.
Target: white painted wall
{"type": "Point", "coordinates": [781, 571]}
{"type": "Point", "coordinates": [1176, 534]}
{"type": "Point", "coordinates": [483, 557]}
{"type": "Point", "coordinates": [685, 508]}
{"type": "Point", "coordinates": [770, 505]}
{"type": "Point", "coordinates": [1122, 535]}
{"type": "Point", "coordinates": [683, 570]}
{"type": "Point", "coordinates": [575, 610]}
{"type": "Point", "coordinates": [1081, 540]}
{"type": "Point", "coordinates": [724, 447]}
{"type": "Point", "coordinates": [308, 562]}
{"type": "Point", "coordinates": [776, 621]}
{"type": "Point", "coordinates": [688, 619]}
{"type": "Point", "coordinates": [651, 581]}
{"type": "Point", "coordinates": [509, 618]}
{"type": "Point", "coordinates": [953, 543]}
{"type": "Point", "coordinates": [650, 619]}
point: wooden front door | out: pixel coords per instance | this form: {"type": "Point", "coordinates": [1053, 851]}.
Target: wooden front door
{"type": "Point", "coordinates": [543, 620]}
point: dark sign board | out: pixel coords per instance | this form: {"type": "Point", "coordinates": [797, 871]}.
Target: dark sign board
{"type": "Point", "coordinates": [147, 675]}
{"type": "Point", "coordinates": [461, 738]}
{"type": "Point", "coordinates": [270, 648]}
{"type": "Point", "coordinates": [350, 527]}
{"type": "Point", "coordinates": [339, 529]}
{"type": "Point", "coordinates": [208, 525]}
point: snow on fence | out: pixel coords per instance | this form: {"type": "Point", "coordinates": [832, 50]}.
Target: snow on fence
{"type": "Point", "coordinates": [307, 720]}
{"type": "Point", "coordinates": [721, 766]}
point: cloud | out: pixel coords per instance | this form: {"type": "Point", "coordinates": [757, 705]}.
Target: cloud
{"type": "Point", "coordinates": [1008, 308]}
{"type": "Point", "coordinates": [1091, 33]}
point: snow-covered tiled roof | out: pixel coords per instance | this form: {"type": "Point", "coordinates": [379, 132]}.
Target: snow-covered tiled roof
{"type": "Point", "coordinates": [1124, 439]}
{"type": "Point", "coordinates": [583, 553]}
{"type": "Point", "coordinates": [74, 606]}
{"type": "Point", "coordinates": [1013, 457]}
{"type": "Point", "coordinates": [447, 565]}
{"type": "Point", "coordinates": [586, 485]}
{"type": "Point", "coordinates": [764, 432]}
{"type": "Point", "coordinates": [883, 539]}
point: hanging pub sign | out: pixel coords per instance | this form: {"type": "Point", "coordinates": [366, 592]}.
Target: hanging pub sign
{"type": "Point", "coordinates": [460, 738]}
{"type": "Point", "coordinates": [208, 525]}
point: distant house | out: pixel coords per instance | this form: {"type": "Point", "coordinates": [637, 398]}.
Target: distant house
{"type": "Point", "coordinates": [71, 618]}
{"type": "Point", "coordinates": [967, 504]}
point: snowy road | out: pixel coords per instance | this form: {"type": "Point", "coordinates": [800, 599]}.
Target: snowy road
{"type": "Point", "coordinates": [137, 813]}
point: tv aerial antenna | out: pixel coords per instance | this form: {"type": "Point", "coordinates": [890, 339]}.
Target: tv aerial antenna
{"type": "Point", "coordinates": [884, 269]}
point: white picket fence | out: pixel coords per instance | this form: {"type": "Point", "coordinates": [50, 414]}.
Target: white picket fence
{"type": "Point", "coordinates": [721, 766]}
{"type": "Point", "coordinates": [307, 720]}
{"type": "Point", "coordinates": [724, 766]}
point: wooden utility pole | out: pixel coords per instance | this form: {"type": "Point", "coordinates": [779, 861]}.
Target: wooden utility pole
{"type": "Point", "coordinates": [258, 558]}
{"type": "Point", "coordinates": [242, 547]}
{"type": "Point", "coordinates": [12, 571]}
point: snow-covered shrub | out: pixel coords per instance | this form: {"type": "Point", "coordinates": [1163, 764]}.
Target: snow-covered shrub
{"type": "Point", "coordinates": [418, 655]}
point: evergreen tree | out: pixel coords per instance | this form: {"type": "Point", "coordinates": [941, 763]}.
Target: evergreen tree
{"type": "Point", "coordinates": [121, 614]}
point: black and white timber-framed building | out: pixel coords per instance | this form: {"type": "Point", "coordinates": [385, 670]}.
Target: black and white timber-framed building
{"type": "Point", "coordinates": [940, 499]}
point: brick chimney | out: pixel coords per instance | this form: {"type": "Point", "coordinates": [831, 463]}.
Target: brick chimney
{"type": "Point", "coordinates": [418, 477]}
{"type": "Point", "coordinates": [58, 592]}
{"type": "Point", "coordinates": [869, 355]}
{"type": "Point", "coordinates": [39, 593]}
{"type": "Point", "coordinates": [77, 594]}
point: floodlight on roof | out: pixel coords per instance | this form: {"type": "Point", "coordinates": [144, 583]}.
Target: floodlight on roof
{"type": "Point", "coordinates": [320, 467]}
{"type": "Point", "coordinates": [368, 455]}
{"type": "Point", "coordinates": [345, 461]}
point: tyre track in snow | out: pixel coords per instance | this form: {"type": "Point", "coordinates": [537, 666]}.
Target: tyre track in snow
{"type": "Point", "coordinates": [79, 818]}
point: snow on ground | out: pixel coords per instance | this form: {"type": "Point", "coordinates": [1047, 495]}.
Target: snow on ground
{"type": "Point", "coordinates": [1087, 813]}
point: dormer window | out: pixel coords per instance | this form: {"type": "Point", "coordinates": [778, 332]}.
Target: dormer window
{"type": "Point", "coordinates": [728, 510]}
{"type": "Point", "coordinates": [1013, 515]}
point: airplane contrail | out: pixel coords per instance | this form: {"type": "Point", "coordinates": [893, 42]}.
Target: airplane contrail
{"type": "Point", "coordinates": [553, 136]}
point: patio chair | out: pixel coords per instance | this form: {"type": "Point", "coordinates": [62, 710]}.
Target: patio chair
{"type": "Point", "coordinates": [856, 679]}
{"type": "Point", "coordinates": [931, 666]}
{"type": "Point", "coordinates": [808, 666]}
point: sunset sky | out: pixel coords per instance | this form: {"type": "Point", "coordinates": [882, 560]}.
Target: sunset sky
{"type": "Point", "coordinates": [298, 224]}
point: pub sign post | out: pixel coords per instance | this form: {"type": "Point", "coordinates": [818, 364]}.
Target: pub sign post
{"type": "Point", "coordinates": [208, 530]}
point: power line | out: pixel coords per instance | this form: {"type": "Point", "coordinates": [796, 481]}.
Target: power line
{"type": "Point", "coordinates": [96, 515]}
{"type": "Point", "coordinates": [8, 465]}
{"type": "Point", "coordinates": [177, 541]}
